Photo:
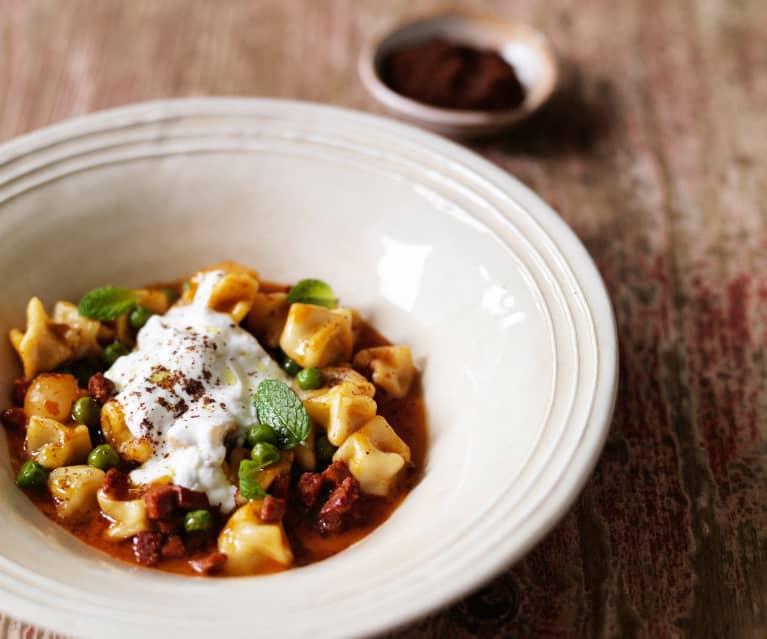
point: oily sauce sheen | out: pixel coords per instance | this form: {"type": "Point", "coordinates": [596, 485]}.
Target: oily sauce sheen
{"type": "Point", "coordinates": [408, 418]}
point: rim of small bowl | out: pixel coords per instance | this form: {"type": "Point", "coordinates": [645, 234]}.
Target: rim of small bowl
{"type": "Point", "coordinates": [368, 68]}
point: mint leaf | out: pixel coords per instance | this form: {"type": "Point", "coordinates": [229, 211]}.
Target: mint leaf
{"type": "Point", "coordinates": [248, 473]}
{"type": "Point", "coordinates": [313, 292]}
{"type": "Point", "coordinates": [107, 303]}
{"type": "Point", "coordinates": [279, 407]}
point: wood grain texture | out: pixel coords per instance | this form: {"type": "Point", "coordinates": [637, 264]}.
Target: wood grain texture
{"type": "Point", "coordinates": [654, 151]}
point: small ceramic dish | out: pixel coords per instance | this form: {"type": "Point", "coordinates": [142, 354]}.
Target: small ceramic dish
{"type": "Point", "coordinates": [504, 310]}
{"type": "Point", "coordinates": [528, 51]}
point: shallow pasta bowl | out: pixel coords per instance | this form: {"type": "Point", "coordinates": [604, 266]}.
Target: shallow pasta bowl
{"type": "Point", "coordinates": [500, 303]}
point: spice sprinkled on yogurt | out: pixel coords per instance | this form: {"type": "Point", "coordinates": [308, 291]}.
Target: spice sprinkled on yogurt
{"type": "Point", "coordinates": [187, 388]}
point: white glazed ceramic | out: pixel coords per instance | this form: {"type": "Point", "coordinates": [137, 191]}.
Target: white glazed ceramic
{"type": "Point", "coordinates": [528, 51]}
{"type": "Point", "coordinates": [499, 301]}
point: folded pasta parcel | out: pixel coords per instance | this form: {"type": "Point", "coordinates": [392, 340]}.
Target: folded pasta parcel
{"type": "Point", "coordinates": [375, 455]}
{"type": "Point", "coordinates": [219, 425]}
{"type": "Point", "coordinates": [315, 336]}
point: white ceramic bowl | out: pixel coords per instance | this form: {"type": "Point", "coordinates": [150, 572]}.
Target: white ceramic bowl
{"type": "Point", "coordinates": [528, 51]}
{"type": "Point", "coordinates": [500, 302]}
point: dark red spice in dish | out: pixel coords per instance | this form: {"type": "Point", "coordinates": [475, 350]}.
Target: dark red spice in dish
{"type": "Point", "coordinates": [453, 76]}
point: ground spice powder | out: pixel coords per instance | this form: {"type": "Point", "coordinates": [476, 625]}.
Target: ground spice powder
{"type": "Point", "coordinates": [453, 76]}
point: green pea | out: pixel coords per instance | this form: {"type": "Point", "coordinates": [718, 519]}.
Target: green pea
{"type": "Point", "coordinates": [171, 294]}
{"type": "Point", "coordinates": [138, 316]}
{"type": "Point", "coordinates": [309, 378]}
{"type": "Point", "coordinates": [290, 366]}
{"type": "Point", "coordinates": [32, 475]}
{"type": "Point", "coordinates": [86, 410]}
{"type": "Point", "coordinates": [198, 521]}
{"type": "Point", "coordinates": [324, 449]}
{"type": "Point", "coordinates": [264, 453]}
{"type": "Point", "coordinates": [261, 433]}
{"type": "Point", "coordinates": [103, 457]}
{"type": "Point", "coordinates": [112, 352]}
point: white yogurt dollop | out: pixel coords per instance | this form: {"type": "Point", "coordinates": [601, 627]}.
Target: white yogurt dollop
{"type": "Point", "coordinates": [188, 385]}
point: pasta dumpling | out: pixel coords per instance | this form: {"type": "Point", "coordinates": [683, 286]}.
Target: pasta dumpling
{"type": "Point", "coordinates": [118, 435]}
{"type": "Point", "coordinates": [74, 489]}
{"type": "Point", "coordinates": [249, 543]}
{"type": "Point", "coordinates": [340, 410]}
{"type": "Point", "coordinates": [51, 395]}
{"type": "Point", "coordinates": [48, 342]}
{"type": "Point", "coordinates": [128, 517]}
{"type": "Point", "coordinates": [156, 301]}
{"type": "Point", "coordinates": [391, 368]}
{"type": "Point", "coordinates": [80, 333]}
{"type": "Point", "coordinates": [315, 336]}
{"type": "Point", "coordinates": [228, 267]}
{"type": "Point", "coordinates": [335, 375]}
{"type": "Point", "coordinates": [267, 317]}
{"type": "Point", "coordinates": [375, 455]}
{"type": "Point", "coordinates": [52, 444]}
{"type": "Point", "coordinates": [42, 347]}
{"type": "Point", "coordinates": [234, 294]}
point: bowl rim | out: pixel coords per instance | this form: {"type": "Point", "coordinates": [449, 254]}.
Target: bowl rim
{"type": "Point", "coordinates": [440, 116]}
{"type": "Point", "coordinates": [585, 456]}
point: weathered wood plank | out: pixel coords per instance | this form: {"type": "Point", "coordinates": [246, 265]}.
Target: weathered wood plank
{"type": "Point", "coordinates": [655, 152]}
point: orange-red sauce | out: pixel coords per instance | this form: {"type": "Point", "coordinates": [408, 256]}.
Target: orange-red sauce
{"type": "Point", "coordinates": [408, 418]}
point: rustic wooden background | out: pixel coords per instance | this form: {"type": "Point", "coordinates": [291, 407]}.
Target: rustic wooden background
{"type": "Point", "coordinates": [655, 151]}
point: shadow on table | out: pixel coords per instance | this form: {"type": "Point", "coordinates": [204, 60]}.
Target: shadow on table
{"type": "Point", "coordinates": [576, 118]}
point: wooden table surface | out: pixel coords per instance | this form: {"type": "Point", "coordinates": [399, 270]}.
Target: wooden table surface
{"type": "Point", "coordinates": [655, 152]}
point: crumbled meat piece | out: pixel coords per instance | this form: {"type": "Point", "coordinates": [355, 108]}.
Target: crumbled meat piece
{"type": "Point", "coordinates": [336, 472]}
{"type": "Point", "coordinates": [188, 499]}
{"type": "Point", "coordinates": [13, 418]}
{"type": "Point", "coordinates": [280, 486]}
{"type": "Point", "coordinates": [100, 388]}
{"type": "Point", "coordinates": [197, 543]}
{"type": "Point", "coordinates": [116, 484]}
{"type": "Point", "coordinates": [173, 523]}
{"type": "Point", "coordinates": [173, 548]}
{"type": "Point", "coordinates": [160, 501]}
{"type": "Point", "coordinates": [147, 548]}
{"type": "Point", "coordinates": [345, 494]}
{"type": "Point", "coordinates": [209, 563]}
{"type": "Point", "coordinates": [309, 488]}
{"type": "Point", "coordinates": [340, 502]}
{"type": "Point", "coordinates": [273, 509]}
{"type": "Point", "coordinates": [20, 386]}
